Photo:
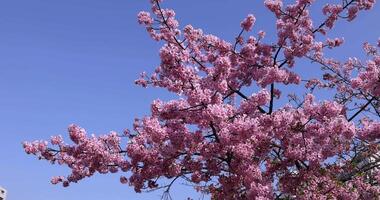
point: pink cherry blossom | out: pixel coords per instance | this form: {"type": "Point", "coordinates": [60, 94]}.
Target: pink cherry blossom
{"type": "Point", "coordinates": [248, 22]}
{"type": "Point", "coordinates": [241, 128]}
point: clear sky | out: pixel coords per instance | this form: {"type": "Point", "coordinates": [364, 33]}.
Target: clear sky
{"type": "Point", "coordinates": [71, 61]}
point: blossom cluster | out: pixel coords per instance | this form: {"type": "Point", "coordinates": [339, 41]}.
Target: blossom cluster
{"type": "Point", "coordinates": [87, 156]}
{"type": "Point", "coordinates": [237, 146]}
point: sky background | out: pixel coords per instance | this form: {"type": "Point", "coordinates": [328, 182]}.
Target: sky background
{"type": "Point", "coordinates": [64, 62]}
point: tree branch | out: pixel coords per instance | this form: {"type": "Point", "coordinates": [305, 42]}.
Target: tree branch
{"type": "Point", "coordinates": [271, 98]}
{"type": "Point", "coordinates": [361, 109]}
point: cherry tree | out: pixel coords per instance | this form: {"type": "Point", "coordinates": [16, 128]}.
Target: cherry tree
{"type": "Point", "coordinates": [234, 144]}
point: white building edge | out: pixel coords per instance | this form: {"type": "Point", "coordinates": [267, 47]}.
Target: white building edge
{"type": "Point", "coordinates": [3, 194]}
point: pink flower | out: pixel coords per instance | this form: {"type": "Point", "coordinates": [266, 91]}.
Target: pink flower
{"type": "Point", "coordinates": [76, 133]}
{"type": "Point", "coordinates": [274, 6]}
{"type": "Point", "coordinates": [352, 12]}
{"type": "Point", "coordinates": [261, 35]}
{"type": "Point", "coordinates": [145, 18]}
{"type": "Point", "coordinates": [248, 22]}
{"type": "Point", "coordinates": [57, 179]}
{"type": "Point", "coordinates": [56, 140]}
{"type": "Point", "coordinates": [123, 180]}
{"type": "Point", "coordinates": [334, 42]}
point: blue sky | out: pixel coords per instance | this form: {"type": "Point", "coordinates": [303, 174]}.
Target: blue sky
{"type": "Point", "coordinates": [71, 61]}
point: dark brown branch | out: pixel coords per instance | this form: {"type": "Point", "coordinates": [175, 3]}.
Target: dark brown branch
{"type": "Point", "coordinates": [214, 132]}
{"type": "Point", "coordinates": [324, 23]}
{"type": "Point", "coordinates": [271, 98]}
{"type": "Point", "coordinates": [246, 98]}
{"type": "Point", "coordinates": [237, 39]}
{"type": "Point", "coordinates": [361, 109]}
{"type": "Point", "coordinates": [175, 38]}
